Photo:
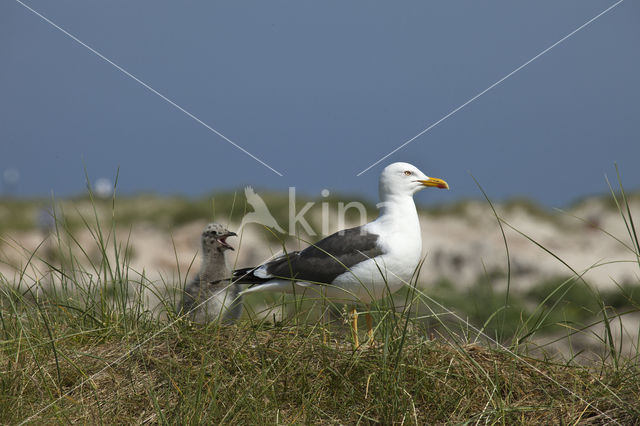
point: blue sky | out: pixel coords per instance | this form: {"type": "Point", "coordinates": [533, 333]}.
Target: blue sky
{"type": "Point", "coordinates": [319, 90]}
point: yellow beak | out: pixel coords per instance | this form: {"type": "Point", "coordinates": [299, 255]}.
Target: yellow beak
{"type": "Point", "coordinates": [438, 183]}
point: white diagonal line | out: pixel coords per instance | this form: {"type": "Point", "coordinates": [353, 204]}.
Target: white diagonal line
{"type": "Point", "coordinates": [492, 86]}
{"type": "Point", "coordinates": [146, 86]}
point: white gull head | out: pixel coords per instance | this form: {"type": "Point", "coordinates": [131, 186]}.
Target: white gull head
{"type": "Point", "coordinates": [404, 179]}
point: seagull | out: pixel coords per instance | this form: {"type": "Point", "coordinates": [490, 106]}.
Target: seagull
{"type": "Point", "coordinates": [211, 295]}
{"type": "Point", "coordinates": [361, 264]}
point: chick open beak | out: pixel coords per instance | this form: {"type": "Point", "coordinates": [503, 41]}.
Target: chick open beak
{"type": "Point", "coordinates": [223, 239]}
{"type": "Point", "coordinates": [435, 182]}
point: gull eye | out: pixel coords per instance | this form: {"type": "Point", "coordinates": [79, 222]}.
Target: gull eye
{"type": "Point", "coordinates": [407, 173]}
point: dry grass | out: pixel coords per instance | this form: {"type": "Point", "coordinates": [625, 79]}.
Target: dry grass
{"type": "Point", "coordinates": [81, 345]}
{"type": "Point", "coordinates": [242, 374]}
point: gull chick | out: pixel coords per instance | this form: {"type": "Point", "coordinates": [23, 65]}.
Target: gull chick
{"type": "Point", "coordinates": [212, 296]}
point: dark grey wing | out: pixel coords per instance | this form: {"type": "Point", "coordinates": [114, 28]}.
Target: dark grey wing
{"type": "Point", "coordinates": [328, 258]}
{"type": "Point", "coordinates": [248, 275]}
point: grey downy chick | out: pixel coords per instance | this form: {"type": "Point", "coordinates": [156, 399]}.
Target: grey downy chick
{"type": "Point", "coordinates": [211, 296]}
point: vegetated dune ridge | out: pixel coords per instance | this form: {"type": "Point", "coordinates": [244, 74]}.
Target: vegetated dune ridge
{"type": "Point", "coordinates": [463, 245]}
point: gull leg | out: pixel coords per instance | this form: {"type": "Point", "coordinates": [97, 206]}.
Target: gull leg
{"type": "Point", "coordinates": [369, 327]}
{"type": "Point", "coordinates": [354, 326]}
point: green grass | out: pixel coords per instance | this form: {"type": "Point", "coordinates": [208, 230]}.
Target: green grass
{"type": "Point", "coordinates": [547, 308]}
{"type": "Point", "coordinates": [241, 374]}
{"type": "Point", "coordinates": [79, 342]}
{"type": "Point", "coordinates": [67, 358]}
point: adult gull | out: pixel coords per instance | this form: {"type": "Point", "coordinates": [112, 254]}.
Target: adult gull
{"type": "Point", "coordinates": [361, 264]}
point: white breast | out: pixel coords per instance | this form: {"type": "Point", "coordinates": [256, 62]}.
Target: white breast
{"type": "Point", "coordinates": [373, 279]}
